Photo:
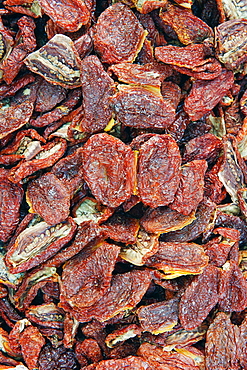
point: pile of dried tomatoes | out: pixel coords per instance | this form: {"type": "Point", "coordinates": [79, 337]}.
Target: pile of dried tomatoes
{"type": "Point", "coordinates": [123, 184]}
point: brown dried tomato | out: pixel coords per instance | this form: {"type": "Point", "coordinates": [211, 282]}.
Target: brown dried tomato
{"type": "Point", "coordinates": [87, 276]}
{"type": "Point", "coordinates": [31, 341]}
{"type": "Point", "coordinates": [189, 28]}
{"type": "Point", "coordinates": [109, 169]}
{"type": "Point", "coordinates": [11, 197]}
{"type": "Point", "coordinates": [57, 61]}
{"type": "Point", "coordinates": [113, 281]}
{"type": "Point", "coordinates": [191, 187]}
{"type": "Point", "coordinates": [111, 39]}
{"type": "Point", "coordinates": [14, 117]}
{"type": "Point", "coordinates": [222, 344]}
{"type": "Point", "coordinates": [38, 243]}
{"type": "Point", "coordinates": [121, 228]}
{"type": "Point", "coordinates": [205, 95]}
{"type": "Point", "coordinates": [163, 219]}
{"type": "Point", "coordinates": [232, 288]}
{"type": "Point", "coordinates": [230, 44]}
{"type": "Point", "coordinates": [97, 89]}
{"type": "Point", "coordinates": [50, 198]}
{"type": "Point", "coordinates": [177, 259]}
{"type": "Point", "coordinates": [159, 317]}
{"type": "Point", "coordinates": [199, 298]}
{"type": "Point", "coordinates": [151, 74]}
{"type": "Point", "coordinates": [158, 171]}
{"type": "Point", "coordinates": [69, 15]}
{"type": "Point", "coordinates": [125, 292]}
{"type": "Point", "coordinates": [47, 156]}
{"type": "Point", "coordinates": [59, 112]}
{"type": "Point", "coordinates": [142, 107]}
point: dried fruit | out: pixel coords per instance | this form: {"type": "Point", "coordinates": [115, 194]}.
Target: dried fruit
{"type": "Point", "coordinates": [37, 243]}
{"type": "Point", "coordinates": [122, 141]}
{"type": "Point", "coordinates": [221, 344]}
{"type": "Point", "coordinates": [48, 197]}
{"type": "Point", "coordinates": [142, 107]}
{"type": "Point", "coordinates": [199, 298]}
{"type": "Point", "coordinates": [205, 95]}
{"type": "Point", "coordinates": [111, 39]}
{"type": "Point", "coordinates": [158, 171]}
{"type": "Point", "coordinates": [176, 259]}
{"type": "Point", "coordinates": [57, 61]}
{"type": "Point", "coordinates": [87, 276]}
{"type": "Point", "coordinates": [109, 169]}
{"type": "Point", "coordinates": [69, 15]}
{"type": "Point", "coordinates": [97, 90]}
{"type": "Point", "coordinates": [159, 317]}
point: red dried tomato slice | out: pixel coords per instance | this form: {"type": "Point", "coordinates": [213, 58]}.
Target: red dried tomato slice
{"type": "Point", "coordinates": [111, 39]}
{"type": "Point", "coordinates": [109, 169]}
{"type": "Point", "coordinates": [158, 171]}
{"type": "Point", "coordinates": [50, 198]}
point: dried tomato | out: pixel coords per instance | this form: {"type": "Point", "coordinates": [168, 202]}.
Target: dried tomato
{"type": "Point", "coordinates": [11, 89]}
{"type": "Point", "coordinates": [109, 169]}
{"type": "Point", "coordinates": [121, 228]}
{"type": "Point", "coordinates": [11, 197]}
{"type": "Point", "coordinates": [230, 172]}
{"type": "Point", "coordinates": [87, 234]}
{"type": "Point", "coordinates": [27, 43]}
{"type": "Point", "coordinates": [88, 209]}
{"type": "Point", "coordinates": [31, 342]}
{"type": "Point", "coordinates": [151, 74]}
{"type": "Point", "coordinates": [49, 96]}
{"type": "Point", "coordinates": [37, 243]}
{"type": "Point", "coordinates": [84, 45]}
{"type": "Point", "coordinates": [59, 112]}
{"type": "Point", "coordinates": [159, 317]}
{"type": "Point", "coordinates": [136, 177]}
{"type": "Point", "coordinates": [189, 56]}
{"type": "Point", "coordinates": [177, 259]}
{"type": "Point", "coordinates": [159, 359]}
{"type": "Point", "coordinates": [122, 334]}
{"type": "Point", "coordinates": [24, 146]}
{"type": "Point", "coordinates": [47, 156]}
{"type": "Point", "coordinates": [163, 219]}
{"type": "Point", "coordinates": [50, 198]}
{"type": "Point", "coordinates": [204, 219]}
{"type": "Point", "coordinates": [232, 54]}
{"type": "Point", "coordinates": [189, 28]}
{"type": "Point", "coordinates": [191, 187]}
{"type": "Point", "coordinates": [232, 288]}
{"type": "Point", "coordinates": [158, 171]}
{"type": "Point", "coordinates": [48, 315]}
{"type": "Point", "coordinates": [111, 39]}
{"type": "Point", "coordinates": [30, 285]}
{"type": "Point", "coordinates": [70, 171]}
{"type": "Point", "coordinates": [146, 6]}
{"type": "Point", "coordinates": [205, 95]}
{"type": "Point", "coordinates": [206, 147]}
{"type": "Point", "coordinates": [14, 117]}
{"type": "Point", "coordinates": [57, 61]}
{"type": "Point", "coordinates": [125, 292]}
{"type": "Point", "coordinates": [145, 246]}
{"type": "Point", "coordinates": [142, 107]}
{"type": "Point", "coordinates": [221, 344]}
{"type": "Point", "coordinates": [199, 298]}
{"type": "Point", "coordinates": [97, 89]}
{"type": "Point", "coordinates": [87, 276]}
{"type": "Point", "coordinates": [69, 15]}
{"type": "Point", "coordinates": [133, 362]}
{"type": "Point", "coordinates": [58, 358]}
